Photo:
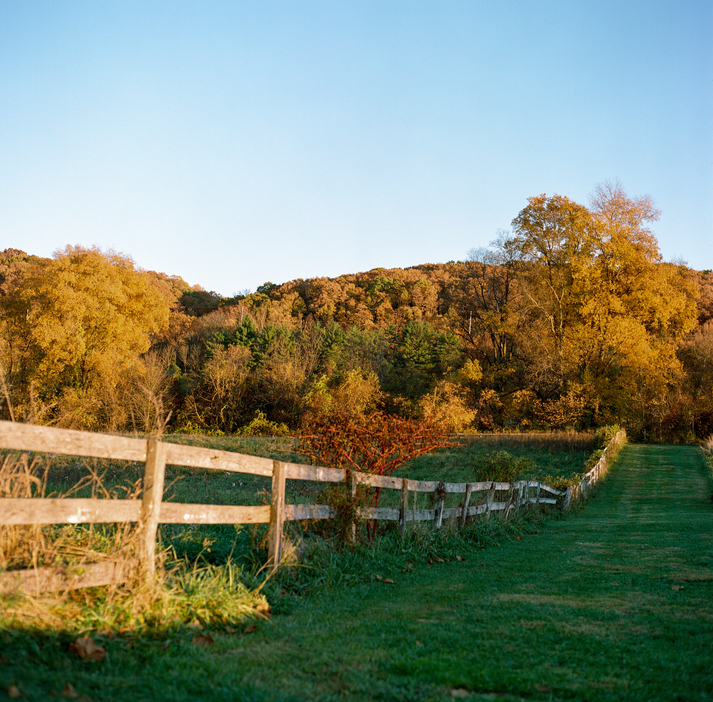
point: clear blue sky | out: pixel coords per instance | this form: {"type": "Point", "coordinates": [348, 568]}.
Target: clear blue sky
{"type": "Point", "coordinates": [233, 143]}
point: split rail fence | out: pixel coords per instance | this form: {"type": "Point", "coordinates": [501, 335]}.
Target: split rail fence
{"type": "Point", "coordinates": [151, 510]}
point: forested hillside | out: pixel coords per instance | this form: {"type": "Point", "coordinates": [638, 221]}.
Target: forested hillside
{"type": "Point", "coordinates": [570, 320]}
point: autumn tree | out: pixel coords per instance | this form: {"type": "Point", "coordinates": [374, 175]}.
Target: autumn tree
{"type": "Point", "coordinates": [78, 323]}
{"type": "Point", "coordinates": [604, 312]}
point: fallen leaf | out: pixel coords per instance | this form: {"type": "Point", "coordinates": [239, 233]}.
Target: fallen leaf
{"type": "Point", "coordinates": [69, 691]}
{"type": "Point", "coordinates": [460, 692]}
{"type": "Point", "coordinates": [197, 624]}
{"type": "Point", "coordinates": [543, 688]}
{"type": "Point", "coordinates": [517, 538]}
{"type": "Point", "coordinates": [389, 581]}
{"type": "Point", "coordinates": [251, 629]}
{"type": "Point", "coordinates": [430, 561]}
{"type": "Point", "coordinates": [481, 564]}
{"type": "Point", "coordinates": [419, 644]}
{"type": "Point", "coordinates": [409, 565]}
{"type": "Point", "coordinates": [460, 558]}
{"type": "Point", "coordinates": [203, 640]}
{"type": "Point", "coordinates": [678, 587]}
{"type": "Point", "coordinates": [440, 560]}
{"type": "Point", "coordinates": [263, 608]}
{"type": "Point", "coordinates": [87, 649]}
{"type": "Point", "coordinates": [13, 691]}
{"type": "Point", "coordinates": [229, 630]}
{"type": "Point", "coordinates": [377, 576]}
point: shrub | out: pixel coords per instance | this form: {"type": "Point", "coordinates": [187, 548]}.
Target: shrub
{"type": "Point", "coordinates": [502, 467]}
{"type": "Point", "coordinates": [262, 426]}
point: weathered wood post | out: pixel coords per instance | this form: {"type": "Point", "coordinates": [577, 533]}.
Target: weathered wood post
{"type": "Point", "coordinates": [466, 500]}
{"type": "Point", "coordinates": [511, 500]}
{"type": "Point", "coordinates": [491, 494]}
{"type": "Point", "coordinates": [277, 515]}
{"type": "Point", "coordinates": [404, 507]}
{"type": "Point", "coordinates": [352, 489]}
{"type": "Point", "coordinates": [152, 495]}
{"type": "Point", "coordinates": [567, 498]}
{"type": "Point", "coordinates": [440, 504]}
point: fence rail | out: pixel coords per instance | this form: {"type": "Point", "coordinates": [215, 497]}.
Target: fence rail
{"type": "Point", "coordinates": [151, 510]}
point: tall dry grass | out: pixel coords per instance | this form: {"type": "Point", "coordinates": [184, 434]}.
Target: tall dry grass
{"type": "Point", "coordinates": [33, 546]}
{"type": "Point", "coordinates": [182, 593]}
{"type": "Point", "coordinates": [554, 442]}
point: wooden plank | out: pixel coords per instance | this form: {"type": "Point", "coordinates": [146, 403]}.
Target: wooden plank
{"type": "Point", "coordinates": [298, 471]}
{"type": "Point", "coordinates": [277, 515]}
{"type": "Point", "coordinates": [541, 501]}
{"type": "Point", "coordinates": [385, 513]}
{"type": "Point", "coordinates": [551, 490]}
{"type": "Point", "coordinates": [53, 579]}
{"type": "Point", "coordinates": [30, 437]}
{"type": "Point", "coordinates": [423, 485]}
{"type": "Point", "coordinates": [151, 498]}
{"type": "Point", "coordinates": [378, 481]}
{"type": "Point", "coordinates": [297, 512]}
{"type": "Point", "coordinates": [175, 513]}
{"type": "Point", "coordinates": [421, 515]}
{"type": "Point", "coordinates": [197, 457]}
{"type": "Point", "coordinates": [432, 486]}
{"type": "Point", "coordinates": [21, 510]}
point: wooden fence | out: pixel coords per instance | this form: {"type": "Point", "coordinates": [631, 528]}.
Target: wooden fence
{"type": "Point", "coordinates": [150, 510]}
{"type": "Point", "coordinates": [592, 477]}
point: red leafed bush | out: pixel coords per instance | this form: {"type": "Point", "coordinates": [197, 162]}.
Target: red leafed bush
{"type": "Point", "coordinates": [374, 443]}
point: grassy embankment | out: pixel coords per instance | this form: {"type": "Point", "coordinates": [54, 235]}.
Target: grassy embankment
{"type": "Point", "coordinates": [614, 603]}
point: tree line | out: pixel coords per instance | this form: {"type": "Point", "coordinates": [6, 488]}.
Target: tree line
{"type": "Point", "coordinates": [571, 319]}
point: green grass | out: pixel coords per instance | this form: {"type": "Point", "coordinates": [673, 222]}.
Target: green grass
{"type": "Point", "coordinates": [612, 603]}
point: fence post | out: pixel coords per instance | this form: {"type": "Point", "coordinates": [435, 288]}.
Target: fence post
{"type": "Point", "coordinates": [491, 494]}
{"type": "Point", "coordinates": [511, 501]}
{"type": "Point", "coordinates": [404, 507]}
{"type": "Point", "coordinates": [440, 504]}
{"type": "Point", "coordinates": [464, 514]}
{"type": "Point", "coordinates": [567, 498]}
{"type": "Point", "coordinates": [277, 515]}
{"type": "Point", "coordinates": [152, 495]}
{"type": "Point", "coordinates": [352, 489]}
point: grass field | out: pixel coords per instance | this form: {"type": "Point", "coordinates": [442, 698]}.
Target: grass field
{"type": "Point", "coordinates": [613, 602]}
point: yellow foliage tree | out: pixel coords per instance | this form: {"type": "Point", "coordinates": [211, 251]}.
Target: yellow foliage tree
{"type": "Point", "coordinates": [604, 310]}
{"type": "Point", "coordinates": [80, 321]}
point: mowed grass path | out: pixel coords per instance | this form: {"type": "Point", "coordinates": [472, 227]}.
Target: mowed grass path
{"type": "Point", "coordinates": [613, 603]}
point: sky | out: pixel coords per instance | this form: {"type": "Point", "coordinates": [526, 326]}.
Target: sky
{"type": "Point", "coordinates": [235, 143]}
